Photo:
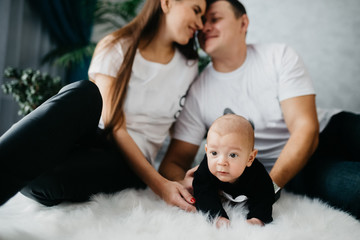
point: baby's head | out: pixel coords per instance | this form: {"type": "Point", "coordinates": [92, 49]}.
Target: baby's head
{"type": "Point", "coordinates": [230, 147]}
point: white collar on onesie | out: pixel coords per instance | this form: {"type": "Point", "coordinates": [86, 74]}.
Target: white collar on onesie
{"type": "Point", "coordinates": [238, 199]}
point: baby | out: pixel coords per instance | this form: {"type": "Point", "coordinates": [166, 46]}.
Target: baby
{"type": "Point", "coordinates": [230, 168]}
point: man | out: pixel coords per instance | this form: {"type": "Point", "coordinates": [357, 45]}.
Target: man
{"type": "Point", "coordinates": [267, 83]}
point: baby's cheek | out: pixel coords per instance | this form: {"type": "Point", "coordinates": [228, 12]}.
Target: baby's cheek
{"type": "Point", "coordinates": [212, 166]}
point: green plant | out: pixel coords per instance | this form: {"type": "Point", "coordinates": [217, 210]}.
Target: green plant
{"type": "Point", "coordinates": [29, 87]}
{"type": "Point", "coordinates": [112, 15]}
{"type": "Point", "coordinates": [204, 60]}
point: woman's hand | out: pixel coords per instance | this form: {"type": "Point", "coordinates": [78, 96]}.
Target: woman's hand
{"type": "Point", "coordinates": [188, 179]}
{"type": "Point", "coordinates": [176, 194]}
{"type": "Point", "coordinates": [171, 192]}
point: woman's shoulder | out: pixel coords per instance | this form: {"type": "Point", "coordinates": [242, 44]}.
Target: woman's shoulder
{"type": "Point", "coordinates": [107, 57]}
{"type": "Point", "coordinates": [110, 43]}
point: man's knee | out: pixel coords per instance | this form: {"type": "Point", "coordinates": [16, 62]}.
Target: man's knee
{"type": "Point", "coordinates": [339, 185]}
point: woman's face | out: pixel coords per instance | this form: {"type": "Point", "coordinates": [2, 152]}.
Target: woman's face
{"type": "Point", "coordinates": [183, 19]}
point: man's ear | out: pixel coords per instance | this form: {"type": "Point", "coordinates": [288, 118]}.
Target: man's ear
{"type": "Point", "coordinates": [165, 5]}
{"type": "Point", "coordinates": [244, 23]}
{"type": "Point", "coordinates": [252, 157]}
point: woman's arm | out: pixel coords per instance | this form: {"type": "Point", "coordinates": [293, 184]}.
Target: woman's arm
{"type": "Point", "coordinates": [172, 192]}
{"type": "Point", "coordinates": [301, 118]}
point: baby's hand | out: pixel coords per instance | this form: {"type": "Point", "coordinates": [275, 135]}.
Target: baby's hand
{"type": "Point", "coordinates": [221, 221]}
{"type": "Point", "coordinates": [255, 221]}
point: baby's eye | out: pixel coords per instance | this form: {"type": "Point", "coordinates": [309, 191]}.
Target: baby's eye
{"type": "Point", "coordinates": [213, 153]}
{"type": "Point", "coordinates": [233, 155]}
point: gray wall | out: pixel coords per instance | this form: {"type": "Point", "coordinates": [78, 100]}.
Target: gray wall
{"type": "Point", "coordinates": [23, 42]}
{"type": "Point", "coordinates": [326, 34]}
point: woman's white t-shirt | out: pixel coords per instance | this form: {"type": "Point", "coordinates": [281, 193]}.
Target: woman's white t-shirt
{"type": "Point", "coordinates": [155, 96]}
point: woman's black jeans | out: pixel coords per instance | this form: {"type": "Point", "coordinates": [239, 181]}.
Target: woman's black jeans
{"type": "Point", "coordinates": [57, 152]}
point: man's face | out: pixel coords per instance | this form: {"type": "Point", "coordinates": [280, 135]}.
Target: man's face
{"type": "Point", "coordinates": [221, 29]}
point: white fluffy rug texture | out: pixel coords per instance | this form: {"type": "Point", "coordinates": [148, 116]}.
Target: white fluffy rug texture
{"type": "Point", "coordinates": [133, 214]}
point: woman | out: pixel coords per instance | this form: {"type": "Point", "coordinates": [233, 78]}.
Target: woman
{"type": "Point", "coordinates": [141, 74]}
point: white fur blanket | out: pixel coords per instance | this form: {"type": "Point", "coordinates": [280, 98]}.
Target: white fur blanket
{"type": "Point", "coordinates": [134, 214]}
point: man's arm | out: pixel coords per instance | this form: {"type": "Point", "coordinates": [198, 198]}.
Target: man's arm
{"type": "Point", "coordinates": [301, 118]}
{"type": "Point", "coordinates": [178, 159]}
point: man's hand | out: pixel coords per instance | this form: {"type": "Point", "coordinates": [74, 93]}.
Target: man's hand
{"type": "Point", "coordinates": [188, 179]}
{"type": "Point", "coordinates": [176, 194]}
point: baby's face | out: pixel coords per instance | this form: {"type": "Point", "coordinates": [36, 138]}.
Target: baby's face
{"type": "Point", "coordinates": [228, 155]}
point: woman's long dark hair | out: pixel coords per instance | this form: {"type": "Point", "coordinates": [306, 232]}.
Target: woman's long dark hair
{"type": "Point", "coordinates": [143, 26]}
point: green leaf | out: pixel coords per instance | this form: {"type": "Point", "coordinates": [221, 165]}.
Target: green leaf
{"type": "Point", "coordinates": [70, 56]}
{"type": "Point", "coordinates": [116, 14]}
{"type": "Point", "coordinates": [30, 88]}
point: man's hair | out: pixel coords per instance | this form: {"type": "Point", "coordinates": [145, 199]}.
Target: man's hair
{"type": "Point", "coordinates": [236, 5]}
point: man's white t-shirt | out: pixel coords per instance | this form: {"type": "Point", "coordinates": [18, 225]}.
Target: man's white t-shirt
{"type": "Point", "coordinates": [155, 95]}
{"type": "Point", "coordinates": [270, 74]}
